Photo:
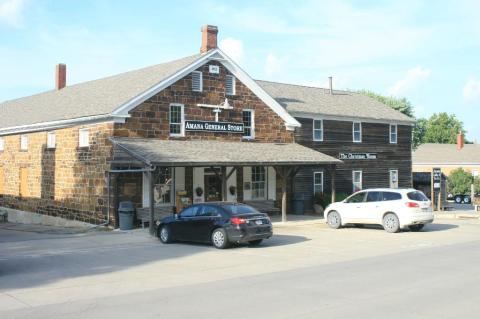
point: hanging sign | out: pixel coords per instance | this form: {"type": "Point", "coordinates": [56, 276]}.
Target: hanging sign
{"type": "Point", "coordinates": [206, 126]}
{"type": "Point", "coordinates": [437, 178]}
{"type": "Point", "coordinates": [357, 156]}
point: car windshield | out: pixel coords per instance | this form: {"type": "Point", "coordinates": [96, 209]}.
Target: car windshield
{"type": "Point", "coordinates": [240, 209]}
{"type": "Point", "coordinates": [417, 196]}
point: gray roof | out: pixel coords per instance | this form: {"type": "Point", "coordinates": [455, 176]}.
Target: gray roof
{"type": "Point", "coordinates": [304, 99]}
{"type": "Point", "coordinates": [206, 153]}
{"type": "Point", "coordinates": [446, 154]}
{"type": "Point", "coordinates": [91, 98]}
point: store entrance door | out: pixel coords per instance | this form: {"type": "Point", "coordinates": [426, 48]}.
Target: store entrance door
{"type": "Point", "coordinates": [213, 185]}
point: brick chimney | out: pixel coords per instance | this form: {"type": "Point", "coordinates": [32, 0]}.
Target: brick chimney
{"type": "Point", "coordinates": [460, 140]}
{"type": "Point", "coordinates": [60, 76]}
{"type": "Point", "coordinates": [209, 38]}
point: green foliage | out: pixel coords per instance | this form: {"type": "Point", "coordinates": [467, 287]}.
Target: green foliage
{"type": "Point", "coordinates": [476, 182]}
{"type": "Point", "coordinates": [340, 196]}
{"type": "Point", "coordinates": [419, 130]}
{"type": "Point", "coordinates": [399, 104]}
{"type": "Point", "coordinates": [459, 181]}
{"type": "Point", "coordinates": [442, 128]}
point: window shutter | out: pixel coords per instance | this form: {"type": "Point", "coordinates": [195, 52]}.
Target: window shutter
{"type": "Point", "coordinates": [197, 83]}
{"type": "Point", "coordinates": [230, 85]}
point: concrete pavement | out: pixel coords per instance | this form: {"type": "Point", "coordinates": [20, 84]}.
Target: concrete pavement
{"type": "Point", "coordinates": [302, 272]}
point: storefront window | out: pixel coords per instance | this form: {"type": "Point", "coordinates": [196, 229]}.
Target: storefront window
{"type": "Point", "coordinates": [357, 181]}
{"type": "Point", "coordinates": [258, 182]}
{"type": "Point", "coordinates": [163, 182]}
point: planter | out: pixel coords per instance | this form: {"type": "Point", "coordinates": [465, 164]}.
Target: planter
{"type": "Point", "coordinates": [318, 209]}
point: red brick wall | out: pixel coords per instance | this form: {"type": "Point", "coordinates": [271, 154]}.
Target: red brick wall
{"type": "Point", "coordinates": [150, 119]}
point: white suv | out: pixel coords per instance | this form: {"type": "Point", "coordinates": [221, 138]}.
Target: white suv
{"type": "Point", "coordinates": [392, 208]}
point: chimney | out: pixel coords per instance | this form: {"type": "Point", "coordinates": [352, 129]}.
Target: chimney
{"type": "Point", "coordinates": [460, 140]}
{"type": "Point", "coordinates": [209, 38]}
{"type": "Point", "coordinates": [330, 84]}
{"type": "Point", "coordinates": [60, 76]}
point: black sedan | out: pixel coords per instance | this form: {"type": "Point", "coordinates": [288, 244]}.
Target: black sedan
{"type": "Point", "coordinates": [218, 223]}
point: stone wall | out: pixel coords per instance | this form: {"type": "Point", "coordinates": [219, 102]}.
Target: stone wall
{"type": "Point", "coordinates": [150, 119]}
{"type": "Point", "coordinates": [67, 181]}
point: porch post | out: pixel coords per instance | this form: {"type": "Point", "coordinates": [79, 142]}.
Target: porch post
{"type": "Point", "coordinates": [333, 183]}
{"type": "Point", "coordinates": [224, 183]}
{"type": "Point", "coordinates": [151, 201]}
{"type": "Point", "coordinates": [284, 194]}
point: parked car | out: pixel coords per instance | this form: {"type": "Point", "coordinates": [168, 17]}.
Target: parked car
{"type": "Point", "coordinates": [392, 208]}
{"type": "Point", "coordinates": [218, 223]}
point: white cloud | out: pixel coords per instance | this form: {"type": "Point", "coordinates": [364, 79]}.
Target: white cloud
{"type": "Point", "coordinates": [273, 64]}
{"type": "Point", "coordinates": [471, 90]}
{"type": "Point", "coordinates": [412, 80]}
{"type": "Point", "coordinates": [233, 48]}
{"type": "Point", "coordinates": [11, 12]}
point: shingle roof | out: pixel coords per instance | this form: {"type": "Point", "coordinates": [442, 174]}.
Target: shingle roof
{"type": "Point", "coordinates": [446, 154]}
{"type": "Point", "coordinates": [314, 100]}
{"type": "Point", "coordinates": [91, 98]}
{"type": "Point", "coordinates": [198, 153]}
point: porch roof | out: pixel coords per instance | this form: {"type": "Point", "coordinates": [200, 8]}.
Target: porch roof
{"type": "Point", "coordinates": [218, 153]}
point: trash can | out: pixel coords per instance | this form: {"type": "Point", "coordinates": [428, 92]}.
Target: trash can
{"type": "Point", "coordinates": [298, 204]}
{"type": "Point", "coordinates": [125, 215]}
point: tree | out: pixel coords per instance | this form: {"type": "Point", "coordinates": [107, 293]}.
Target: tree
{"type": "Point", "coordinates": [459, 181]}
{"type": "Point", "coordinates": [419, 130]}
{"type": "Point", "coordinates": [476, 182]}
{"type": "Point", "coordinates": [442, 128]}
{"type": "Point", "coordinates": [399, 104]}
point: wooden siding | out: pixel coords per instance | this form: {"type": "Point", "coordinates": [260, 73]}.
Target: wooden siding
{"type": "Point", "coordinates": [337, 138]}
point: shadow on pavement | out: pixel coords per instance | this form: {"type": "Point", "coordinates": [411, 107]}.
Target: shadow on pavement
{"type": "Point", "coordinates": [428, 228]}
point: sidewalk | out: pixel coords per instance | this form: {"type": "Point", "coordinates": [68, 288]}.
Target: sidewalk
{"type": "Point", "coordinates": [471, 214]}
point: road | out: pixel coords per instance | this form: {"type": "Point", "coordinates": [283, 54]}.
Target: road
{"type": "Point", "coordinates": [305, 272]}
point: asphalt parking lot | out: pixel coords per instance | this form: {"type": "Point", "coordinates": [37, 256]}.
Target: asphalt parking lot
{"type": "Point", "coordinates": [303, 271]}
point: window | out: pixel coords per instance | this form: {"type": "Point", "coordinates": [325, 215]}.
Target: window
{"type": "Point", "coordinates": [417, 196]}
{"type": "Point", "coordinates": [393, 178]}
{"type": "Point", "coordinates": [163, 184]}
{"type": "Point", "coordinates": [2, 144]}
{"type": "Point", "coordinates": [388, 196]}
{"type": "Point", "coordinates": [248, 124]}
{"type": "Point", "coordinates": [83, 137]}
{"type": "Point", "coordinates": [240, 209]}
{"type": "Point", "coordinates": [357, 132]}
{"type": "Point", "coordinates": [23, 142]}
{"type": "Point", "coordinates": [230, 85]}
{"type": "Point", "coordinates": [357, 181]}
{"type": "Point", "coordinates": [258, 182]}
{"type": "Point", "coordinates": [189, 212]}
{"type": "Point", "coordinates": [393, 133]}
{"type": "Point", "coordinates": [356, 198]}
{"type": "Point", "coordinates": [318, 130]}
{"type": "Point", "coordinates": [317, 182]}
{"type": "Point", "coordinates": [176, 120]}
{"type": "Point", "coordinates": [197, 81]}
{"type": "Point", "coordinates": [51, 140]}
{"type": "Point", "coordinates": [374, 197]}
{"type": "Point", "coordinates": [208, 211]}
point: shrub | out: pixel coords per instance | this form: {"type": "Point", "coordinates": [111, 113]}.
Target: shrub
{"type": "Point", "coordinates": [321, 199]}
{"type": "Point", "coordinates": [459, 181]}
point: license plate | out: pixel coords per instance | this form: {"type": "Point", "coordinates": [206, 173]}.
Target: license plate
{"type": "Point", "coordinates": [259, 222]}
{"type": "Point", "coordinates": [425, 209]}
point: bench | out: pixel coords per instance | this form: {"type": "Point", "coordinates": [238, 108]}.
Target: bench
{"type": "Point", "coordinates": [143, 214]}
{"type": "Point", "coordinates": [264, 206]}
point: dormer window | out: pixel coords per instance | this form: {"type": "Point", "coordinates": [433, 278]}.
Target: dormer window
{"type": "Point", "coordinates": [197, 81]}
{"type": "Point", "coordinates": [230, 85]}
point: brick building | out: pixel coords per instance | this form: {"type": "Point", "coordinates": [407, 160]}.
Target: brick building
{"type": "Point", "coordinates": [191, 130]}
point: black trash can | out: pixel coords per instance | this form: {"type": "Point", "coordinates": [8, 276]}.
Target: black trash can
{"type": "Point", "coordinates": [126, 211]}
{"type": "Point", "coordinates": [298, 204]}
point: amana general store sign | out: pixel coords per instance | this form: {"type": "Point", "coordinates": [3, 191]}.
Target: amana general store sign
{"type": "Point", "coordinates": [357, 156]}
{"type": "Point", "coordinates": [205, 126]}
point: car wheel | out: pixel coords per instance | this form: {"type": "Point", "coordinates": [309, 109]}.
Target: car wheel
{"type": "Point", "coordinates": [255, 242]}
{"type": "Point", "coordinates": [458, 199]}
{"type": "Point", "coordinates": [391, 223]}
{"type": "Point", "coordinates": [219, 238]}
{"type": "Point", "coordinates": [334, 220]}
{"type": "Point", "coordinates": [417, 227]}
{"type": "Point", "coordinates": [164, 234]}
{"type": "Point", "coordinates": [466, 199]}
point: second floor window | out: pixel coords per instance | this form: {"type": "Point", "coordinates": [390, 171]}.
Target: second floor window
{"type": "Point", "coordinates": [230, 85]}
{"type": "Point", "coordinates": [248, 124]}
{"type": "Point", "coordinates": [51, 140]}
{"type": "Point", "coordinates": [357, 132]}
{"type": "Point", "coordinates": [176, 120]}
{"type": "Point", "coordinates": [83, 137]}
{"type": "Point", "coordinates": [23, 142]}
{"type": "Point", "coordinates": [197, 81]}
{"type": "Point", "coordinates": [317, 130]}
{"type": "Point", "coordinates": [393, 133]}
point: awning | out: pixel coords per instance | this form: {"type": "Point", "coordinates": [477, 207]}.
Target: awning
{"type": "Point", "coordinates": [218, 153]}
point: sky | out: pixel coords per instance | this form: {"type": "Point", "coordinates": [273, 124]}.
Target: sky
{"type": "Point", "coordinates": [428, 52]}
